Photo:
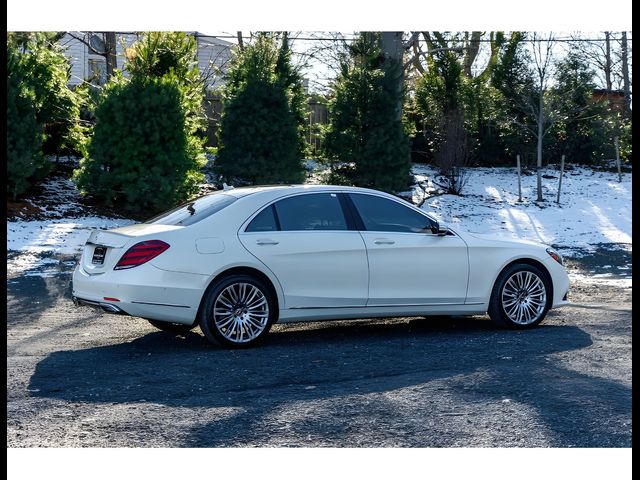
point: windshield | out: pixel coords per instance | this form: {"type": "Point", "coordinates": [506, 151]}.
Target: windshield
{"type": "Point", "coordinates": [194, 211]}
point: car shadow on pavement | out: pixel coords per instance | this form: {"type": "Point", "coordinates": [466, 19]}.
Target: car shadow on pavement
{"type": "Point", "coordinates": [342, 363]}
{"type": "Point", "coordinates": [29, 296]}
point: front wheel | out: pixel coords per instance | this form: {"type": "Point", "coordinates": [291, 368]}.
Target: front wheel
{"type": "Point", "coordinates": [521, 297]}
{"type": "Point", "coordinates": [238, 311]}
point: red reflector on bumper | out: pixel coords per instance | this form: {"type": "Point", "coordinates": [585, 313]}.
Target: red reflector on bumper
{"type": "Point", "coordinates": [110, 299]}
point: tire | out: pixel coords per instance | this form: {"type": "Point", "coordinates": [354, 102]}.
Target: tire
{"type": "Point", "coordinates": [175, 328]}
{"type": "Point", "coordinates": [521, 297]}
{"type": "Point", "coordinates": [238, 312]}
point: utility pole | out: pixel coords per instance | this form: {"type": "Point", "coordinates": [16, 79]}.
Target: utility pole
{"type": "Point", "coordinates": [392, 49]}
{"type": "Point", "coordinates": [607, 65]}
{"type": "Point", "coordinates": [626, 84]}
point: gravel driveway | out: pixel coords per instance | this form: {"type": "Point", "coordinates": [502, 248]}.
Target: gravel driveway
{"type": "Point", "coordinates": [77, 377]}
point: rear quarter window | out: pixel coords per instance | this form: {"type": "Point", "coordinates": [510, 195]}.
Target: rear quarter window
{"type": "Point", "coordinates": [194, 211]}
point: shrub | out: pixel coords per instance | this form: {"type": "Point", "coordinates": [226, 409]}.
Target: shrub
{"type": "Point", "coordinates": [365, 140]}
{"type": "Point", "coordinates": [140, 156]}
{"type": "Point", "coordinates": [261, 136]}
{"type": "Point", "coordinates": [57, 107]}
{"type": "Point", "coordinates": [147, 149]}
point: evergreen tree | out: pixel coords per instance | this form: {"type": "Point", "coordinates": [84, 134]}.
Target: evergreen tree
{"type": "Point", "coordinates": [580, 133]}
{"type": "Point", "coordinates": [24, 132]}
{"type": "Point", "coordinates": [147, 149]}
{"type": "Point", "coordinates": [446, 97]}
{"type": "Point", "coordinates": [57, 106]}
{"type": "Point", "coordinates": [513, 79]}
{"type": "Point", "coordinates": [365, 132]}
{"type": "Point", "coordinates": [261, 136]}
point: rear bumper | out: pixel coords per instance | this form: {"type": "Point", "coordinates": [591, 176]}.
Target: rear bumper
{"type": "Point", "coordinates": [107, 307]}
{"type": "Point", "coordinates": [145, 291]}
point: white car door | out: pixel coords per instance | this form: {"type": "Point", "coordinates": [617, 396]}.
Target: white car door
{"type": "Point", "coordinates": [306, 242]}
{"type": "Point", "coordinates": [408, 264]}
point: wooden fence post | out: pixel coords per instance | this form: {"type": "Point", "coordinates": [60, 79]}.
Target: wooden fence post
{"type": "Point", "coordinates": [560, 181]}
{"type": "Point", "coordinates": [617, 145]}
{"type": "Point", "coordinates": [519, 184]}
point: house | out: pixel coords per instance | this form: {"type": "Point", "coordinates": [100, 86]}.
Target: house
{"type": "Point", "coordinates": [213, 56]}
{"type": "Point", "coordinates": [615, 98]}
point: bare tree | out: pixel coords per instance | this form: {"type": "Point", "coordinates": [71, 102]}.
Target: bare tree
{"type": "Point", "coordinates": [469, 46]}
{"type": "Point", "coordinates": [543, 63]}
{"type": "Point", "coordinates": [535, 104]}
{"type": "Point", "coordinates": [599, 54]}
{"type": "Point", "coordinates": [452, 158]}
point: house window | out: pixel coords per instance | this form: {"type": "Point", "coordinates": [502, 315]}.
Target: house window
{"type": "Point", "coordinates": [97, 71]}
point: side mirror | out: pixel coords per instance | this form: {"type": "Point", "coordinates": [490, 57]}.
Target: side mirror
{"type": "Point", "coordinates": [435, 227]}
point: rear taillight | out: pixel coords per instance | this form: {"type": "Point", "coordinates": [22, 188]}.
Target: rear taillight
{"type": "Point", "coordinates": [141, 253]}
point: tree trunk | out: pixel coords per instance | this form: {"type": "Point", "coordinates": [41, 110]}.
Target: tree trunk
{"type": "Point", "coordinates": [110, 53]}
{"type": "Point", "coordinates": [471, 52]}
{"type": "Point", "coordinates": [626, 84]}
{"type": "Point", "coordinates": [391, 45]}
{"type": "Point", "coordinates": [240, 41]}
{"type": "Point", "coordinates": [539, 146]}
{"type": "Point", "coordinates": [607, 63]}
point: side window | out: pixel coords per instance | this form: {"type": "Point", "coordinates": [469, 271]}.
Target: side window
{"type": "Point", "coordinates": [381, 215]}
{"type": "Point", "coordinates": [317, 211]}
{"type": "Point", "coordinates": [265, 221]}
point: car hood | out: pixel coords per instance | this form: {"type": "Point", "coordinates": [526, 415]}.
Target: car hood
{"type": "Point", "coordinates": [504, 240]}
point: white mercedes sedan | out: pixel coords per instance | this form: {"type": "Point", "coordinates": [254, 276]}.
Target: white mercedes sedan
{"type": "Point", "coordinates": [236, 261]}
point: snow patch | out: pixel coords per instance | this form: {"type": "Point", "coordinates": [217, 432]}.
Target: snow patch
{"type": "Point", "coordinates": [601, 279]}
{"type": "Point", "coordinates": [594, 208]}
{"type": "Point", "coordinates": [31, 239]}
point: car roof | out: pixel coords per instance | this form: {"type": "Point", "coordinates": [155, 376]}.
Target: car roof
{"type": "Point", "coordinates": [243, 191]}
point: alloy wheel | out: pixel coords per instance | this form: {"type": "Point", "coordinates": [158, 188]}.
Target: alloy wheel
{"type": "Point", "coordinates": [241, 312]}
{"type": "Point", "coordinates": [524, 297]}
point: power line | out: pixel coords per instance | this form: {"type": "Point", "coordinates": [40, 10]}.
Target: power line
{"type": "Point", "coordinates": [353, 38]}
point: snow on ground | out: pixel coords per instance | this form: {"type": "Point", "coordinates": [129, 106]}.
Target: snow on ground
{"type": "Point", "coordinates": [607, 279]}
{"type": "Point", "coordinates": [32, 239]}
{"type": "Point", "coordinates": [594, 208]}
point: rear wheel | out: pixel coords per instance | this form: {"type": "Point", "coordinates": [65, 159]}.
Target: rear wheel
{"type": "Point", "coordinates": [176, 328]}
{"type": "Point", "coordinates": [238, 311]}
{"type": "Point", "coordinates": [521, 297]}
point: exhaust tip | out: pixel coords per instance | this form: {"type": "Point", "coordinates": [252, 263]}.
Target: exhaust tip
{"type": "Point", "coordinates": [107, 307]}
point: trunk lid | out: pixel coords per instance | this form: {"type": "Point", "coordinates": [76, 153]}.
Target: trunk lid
{"type": "Point", "coordinates": [105, 247]}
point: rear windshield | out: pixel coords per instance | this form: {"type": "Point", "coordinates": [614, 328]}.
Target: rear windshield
{"type": "Point", "coordinates": [194, 211]}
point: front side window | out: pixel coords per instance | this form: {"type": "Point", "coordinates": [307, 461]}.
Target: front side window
{"type": "Point", "coordinates": [194, 211]}
{"type": "Point", "coordinates": [317, 211]}
{"type": "Point", "coordinates": [382, 215]}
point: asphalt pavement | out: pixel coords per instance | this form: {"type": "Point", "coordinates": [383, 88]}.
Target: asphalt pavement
{"type": "Point", "coordinates": [77, 377]}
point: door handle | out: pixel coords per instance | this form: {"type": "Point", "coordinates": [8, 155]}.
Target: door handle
{"type": "Point", "coordinates": [383, 241]}
{"type": "Point", "coordinates": [265, 241]}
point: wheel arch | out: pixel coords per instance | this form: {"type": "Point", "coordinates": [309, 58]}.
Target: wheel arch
{"type": "Point", "coordinates": [240, 270]}
{"type": "Point", "coordinates": [527, 261]}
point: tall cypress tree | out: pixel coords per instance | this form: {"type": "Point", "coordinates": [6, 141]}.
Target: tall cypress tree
{"type": "Point", "coordinates": [364, 130]}
{"type": "Point", "coordinates": [261, 136]}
